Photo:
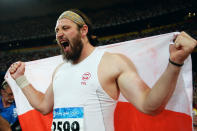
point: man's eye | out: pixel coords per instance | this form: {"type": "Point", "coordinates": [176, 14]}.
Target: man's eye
{"type": "Point", "coordinates": [65, 28]}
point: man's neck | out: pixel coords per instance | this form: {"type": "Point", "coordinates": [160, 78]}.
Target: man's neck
{"type": "Point", "coordinates": [86, 51]}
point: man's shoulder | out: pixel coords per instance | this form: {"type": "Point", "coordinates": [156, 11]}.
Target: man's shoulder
{"type": "Point", "coordinates": [113, 56]}
{"type": "Point", "coordinates": [121, 61]}
{"type": "Point", "coordinates": [57, 68]}
{"type": "Point", "coordinates": [116, 58]}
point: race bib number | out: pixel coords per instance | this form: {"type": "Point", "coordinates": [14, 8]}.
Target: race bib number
{"type": "Point", "coordinates": [68, 119]}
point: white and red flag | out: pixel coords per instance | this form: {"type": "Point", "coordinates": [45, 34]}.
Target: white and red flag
{"type": "Point", "coordinates": [150, 56]}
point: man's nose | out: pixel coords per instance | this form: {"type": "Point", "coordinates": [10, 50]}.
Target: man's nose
{"type": "Point", "coordinates": [59, 35]}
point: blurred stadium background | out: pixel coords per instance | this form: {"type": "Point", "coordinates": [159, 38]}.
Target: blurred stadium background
{"type": "Point", "coordinates": [27, 26]}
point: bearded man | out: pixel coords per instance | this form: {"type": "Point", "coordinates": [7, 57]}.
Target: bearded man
{"type": "Point", "coordinates": [84, 89]}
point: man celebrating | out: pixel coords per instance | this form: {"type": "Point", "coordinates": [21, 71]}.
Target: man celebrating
{"type": "Point", "coordinates": [85, 88]}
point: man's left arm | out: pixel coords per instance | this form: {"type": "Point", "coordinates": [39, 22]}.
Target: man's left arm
{"type": "Point", "coordinates": [152, 101]}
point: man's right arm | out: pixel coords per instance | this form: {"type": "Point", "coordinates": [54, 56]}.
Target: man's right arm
{"type": "Point", "coordinates": [41, 102]}
{"type": "Point", "coordinates": [38, 100]}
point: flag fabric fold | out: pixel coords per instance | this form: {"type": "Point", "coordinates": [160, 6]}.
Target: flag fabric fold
{"type": "Point", "coordinates": [150, 56]}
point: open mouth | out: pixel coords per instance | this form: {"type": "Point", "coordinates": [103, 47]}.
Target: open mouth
{"type": "Point", "coordinates": [65, 44]}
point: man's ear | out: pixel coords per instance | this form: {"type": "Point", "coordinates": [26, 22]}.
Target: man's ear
{"type": "Point", "coordinates": [84, 30]}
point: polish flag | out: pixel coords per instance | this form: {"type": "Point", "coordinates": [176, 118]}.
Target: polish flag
{"type": "Point", "coordinates": [150, 56]}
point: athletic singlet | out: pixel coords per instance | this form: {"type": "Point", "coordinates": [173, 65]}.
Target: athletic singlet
{"type": "Point", "coordinates": [80, 103]}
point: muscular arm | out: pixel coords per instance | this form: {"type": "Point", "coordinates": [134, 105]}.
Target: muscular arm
{"type": "Point", "coordinates": [153, 100]}
{"type": "Point", "coordinates": [38, 100]}
{"type": "Point", "coordinates": [41, 102]}
{"type": "Point", "coordinates": [135, 90]}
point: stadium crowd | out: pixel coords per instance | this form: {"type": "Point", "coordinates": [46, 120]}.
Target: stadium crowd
{"type": "Point", "coordinates": [42, 26]}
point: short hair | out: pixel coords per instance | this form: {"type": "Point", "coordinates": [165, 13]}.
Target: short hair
{"type": "Point", "coordinates": [92, 38]}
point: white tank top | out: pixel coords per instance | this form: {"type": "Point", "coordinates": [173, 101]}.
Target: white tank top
{"type": "Point", "coordinates": [77, 90]}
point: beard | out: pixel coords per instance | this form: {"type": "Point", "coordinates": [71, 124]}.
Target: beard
{"type": "Point", "coordinates": [75, 49]}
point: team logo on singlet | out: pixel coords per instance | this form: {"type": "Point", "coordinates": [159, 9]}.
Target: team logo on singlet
{"type": "Point", "coordinates": [86, 76]}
